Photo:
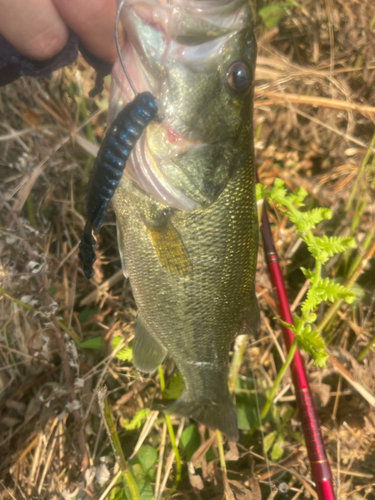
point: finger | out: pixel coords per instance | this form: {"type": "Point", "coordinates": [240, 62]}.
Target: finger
{"type": "Point", "coordinates": [33, 27]}
{"type": "Point", "coordinates": [93, 21]}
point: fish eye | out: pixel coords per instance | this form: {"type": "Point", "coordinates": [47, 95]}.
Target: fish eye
{"type": "Point", "coordinates": [239, 76]}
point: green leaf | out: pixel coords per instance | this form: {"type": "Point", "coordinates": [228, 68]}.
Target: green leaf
{"type": "Point", "coordinates": [311, 342]}
{"type": "Point", "coordinates": [275, 415]}
{"type": "Point", "coordinates": [286, 412]}
{"type": "Point", "coordinates": [277, 192]}
{"type": "Point", "coordinates": [83, 316]}
{"type": "Point", "coordinates": [260, 190]}
{"type": "Point", "coordinates": [310, 318]}
{"type": "Point", "coordinates": [210, 455]}
{"type": "Point", "coordinates": [308, 220]}
{"type": "Point", "coordinates": [311, 302]}
{"type": "Point", "coordinates": [297, 436]}
{"type": "Point", "coordinates": [189, 441]}
{"type": "Point", "coordinates": [272, 14]}
{"type": "Point", "coordinates": [278, 183]}
{"type": "Point", "coordinates": [175, 387]}
{"type": "Point", "coordinates": [278, 448]}
{"type": "Point", "coordinates": [246, 404]}
{"type": "Point", "coordinates": [307, 273]}
{"type": "Point", "coordinates": [268, 441]}
{"type": "Point", "coordinates": [141, 468]}
{"type": "Point", "coordinates": [298, 322]}
{"type": "Point", "coordinates": [326, 289]}
{"type": "Point", "coordinates": [327, 246]}
{"type": "Point", "coordinates": [291, 327]}
{"type": "Point", "coordinates": [297, 197]}
{"type": "Point", "coordinates": [96, 343]}
{"type": "Point", "coordinates": [118, 492]}
{"type": "Point", "coordinates": [145, 489]}
{"type": "Point", "coordinates": [358, 291]}
{"type": "Point", "coordinates": [137, 420]}
{"type": "Point", "coordinates": [147, 456]}
{"type": "Point", "coordinates": [124, 354]}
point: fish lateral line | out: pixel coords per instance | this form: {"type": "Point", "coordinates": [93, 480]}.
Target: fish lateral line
{"type": "Point", "coordinates": [200, 363]}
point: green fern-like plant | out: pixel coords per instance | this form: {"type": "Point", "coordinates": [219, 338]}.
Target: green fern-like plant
{"type": "Point", "coordinates": [321, 249]}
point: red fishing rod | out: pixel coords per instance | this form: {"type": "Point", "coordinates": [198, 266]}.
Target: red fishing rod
{"type": "Point", "coordinates": [320, 468]}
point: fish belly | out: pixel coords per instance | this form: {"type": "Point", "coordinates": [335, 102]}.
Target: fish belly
{"type": "Point", "coordinates": [192, 277]}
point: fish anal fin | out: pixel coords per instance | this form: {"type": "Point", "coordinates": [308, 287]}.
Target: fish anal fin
{"type": "Point", "coordinates": [249, 319]}
{"type": "Point", "coordinates": [148, 354]}
{"type": "Point", "coordinates": [169, 247]}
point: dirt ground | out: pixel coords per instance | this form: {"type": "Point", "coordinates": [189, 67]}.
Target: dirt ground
{"type": "Point", "coordinates": [314, 127]}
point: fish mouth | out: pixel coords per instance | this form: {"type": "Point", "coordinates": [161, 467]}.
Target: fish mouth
{"type": "Point", "coordinates": [178, 140]}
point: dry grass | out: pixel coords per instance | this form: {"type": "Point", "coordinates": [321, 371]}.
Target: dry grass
{"type": "Point", "coordinates": [314, 118]}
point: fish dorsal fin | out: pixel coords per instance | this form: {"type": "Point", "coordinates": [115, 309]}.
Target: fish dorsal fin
{"type": "Point", "coordinates": [148, 354]}
{"type": "Point", "coordinates": [169, 247]}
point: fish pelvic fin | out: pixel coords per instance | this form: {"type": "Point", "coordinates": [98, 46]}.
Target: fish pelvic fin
{"type": "Point", "coordinates": [148, 354]}
{"type": "Point", "coordinates": [215, 414]}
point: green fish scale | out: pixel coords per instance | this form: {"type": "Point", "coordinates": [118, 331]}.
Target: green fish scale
{"type": "Point", "coordinates": [195, 317]}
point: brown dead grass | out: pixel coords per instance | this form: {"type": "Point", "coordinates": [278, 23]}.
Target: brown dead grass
{"type": "Point", "coordinates": [314, 118]}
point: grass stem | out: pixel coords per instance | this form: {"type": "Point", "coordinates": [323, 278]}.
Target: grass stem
{"type": "Point", "coordinates": [276, 384]}
{"type": "Point", "coordinates": [361, 202]}
{"type": "Point", "coordinates": [360, 173]}
{"type": "Point", "coordinates": [223, 466]}
{"type": "Point", "coordinates": [359, 209]}
{"type": "Point", "coordinates": [364, 351]}
{"type": "Point", "coordinates": [239, 349]}
{"type": "Point", "coordinates": [365, 245]}
{"type": "Point", "coordinates": [331, 312]}
{"type": "Point", "coordinates": [172, 438]}
{"type": "Point", "coordinates": [62, 325]}
{"type": "Point", "coordinates": [116, 445]}
{"type": "Point", "coordinates": [11, 357]}
{"type": "Point", "coordinates": [30, 210]}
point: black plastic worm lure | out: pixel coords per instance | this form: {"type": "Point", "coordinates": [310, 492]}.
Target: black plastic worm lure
{"type": "Point", "coordinates": [109, 165]}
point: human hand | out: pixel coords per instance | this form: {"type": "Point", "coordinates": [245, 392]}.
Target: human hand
{"type": "Point", "coordinates": [38, 29]}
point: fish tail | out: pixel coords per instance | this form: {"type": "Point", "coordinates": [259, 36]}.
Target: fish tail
{"type": "Point", "coordinates": [213, 413]}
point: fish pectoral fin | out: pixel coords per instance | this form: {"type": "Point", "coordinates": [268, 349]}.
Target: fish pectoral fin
{"type": "Point", "coordinates": [169, 247]}
{"type": "Point", "coordinates": [148, 354]}
{"type": "Point", "coordinates": [216, 414]}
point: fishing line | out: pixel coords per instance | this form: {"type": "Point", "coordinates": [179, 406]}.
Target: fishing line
{"type": "Point", "coordinates": [261, 425]}
{"type": "Point", "coordinates": [118, 12]}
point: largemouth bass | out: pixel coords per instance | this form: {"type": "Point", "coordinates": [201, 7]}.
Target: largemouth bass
{"type": "Point", "coordinates": [186, 209]}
